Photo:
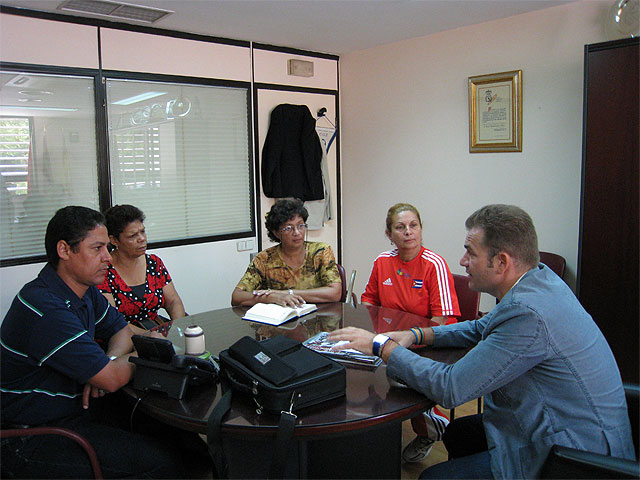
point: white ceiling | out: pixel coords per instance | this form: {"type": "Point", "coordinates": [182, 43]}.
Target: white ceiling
{"type": "Point", "coordinates": [329, 26]}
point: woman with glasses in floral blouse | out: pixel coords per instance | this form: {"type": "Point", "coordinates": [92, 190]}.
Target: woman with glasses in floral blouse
{"type": "Point", "coordinates": [293, 272]}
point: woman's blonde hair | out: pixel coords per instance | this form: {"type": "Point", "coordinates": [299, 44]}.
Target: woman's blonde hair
{"type": "Point", "coordinates": [398, 208]}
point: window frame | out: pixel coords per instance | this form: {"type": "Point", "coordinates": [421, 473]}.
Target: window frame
{"type": "Point", "coordinates": [100, 78]}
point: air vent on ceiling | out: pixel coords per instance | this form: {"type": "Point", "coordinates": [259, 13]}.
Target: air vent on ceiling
{"type": "Point", "coordinates": [115, 9]}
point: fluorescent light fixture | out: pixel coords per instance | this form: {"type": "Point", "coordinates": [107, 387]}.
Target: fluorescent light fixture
{"type": "Point", "coordinates": [138, 98]}
{"type": "Point", "coordinates": [26, 107]}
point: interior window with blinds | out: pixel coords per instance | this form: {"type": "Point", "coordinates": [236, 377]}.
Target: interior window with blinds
{"type": "Point", "coordinates": [180, 153]}
{"type": "Point", "coordinates": [47, 155]}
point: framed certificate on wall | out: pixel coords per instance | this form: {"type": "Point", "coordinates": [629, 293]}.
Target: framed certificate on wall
{"type": "Point", "coordinates": [495, 112]}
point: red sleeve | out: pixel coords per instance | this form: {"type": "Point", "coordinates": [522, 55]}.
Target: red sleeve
{"type": "Point", "coordinates": [371, 294]}
{"type": "Point", "coordinates": [442, 294]}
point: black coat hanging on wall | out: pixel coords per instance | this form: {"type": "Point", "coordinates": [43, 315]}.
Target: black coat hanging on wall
{"type": "Point", "coordinates": [292, 155]}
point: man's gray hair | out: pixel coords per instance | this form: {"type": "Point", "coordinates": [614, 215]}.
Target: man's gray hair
{"type": "Point", "coordinates": [509, 229]}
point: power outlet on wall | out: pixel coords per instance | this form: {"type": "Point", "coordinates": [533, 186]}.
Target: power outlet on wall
{"type": "Point", "coordinates": [244, 245]}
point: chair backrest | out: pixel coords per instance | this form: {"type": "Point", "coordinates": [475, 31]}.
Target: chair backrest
{"type": "Point", "coordinates": [343, 277]}
{"type": "Point", "coordinates": [70, 434]}
{"type": "Point", "coordinates": [632, 394]}
{"type": "Point", "coordinates": [350, 293]}
{"type": "Point", "coordinates": [554, 261]}
{"type": "Point", "coordinates": [566, 462]}
{"type": "Point", "coordinates": [468, 300]}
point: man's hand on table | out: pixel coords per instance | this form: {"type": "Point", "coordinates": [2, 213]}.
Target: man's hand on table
{"type": "Point", "coordinates": [363, 340]}
{"type": "Point", "coordinates": [358, 339]}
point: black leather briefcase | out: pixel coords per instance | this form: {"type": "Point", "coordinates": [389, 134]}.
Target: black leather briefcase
{"type": "Point", "coordinates": [280, 374]}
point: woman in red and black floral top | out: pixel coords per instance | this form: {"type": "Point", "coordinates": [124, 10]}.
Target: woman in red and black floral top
{"type": "Point", "coordinates": [136, 283]}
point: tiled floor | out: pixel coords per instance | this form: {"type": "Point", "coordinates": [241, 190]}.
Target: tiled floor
{"type": "Point", "coordinates": [438, 452]}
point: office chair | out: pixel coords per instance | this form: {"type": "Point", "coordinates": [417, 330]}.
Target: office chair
{"type": "Point", "coordinates": [343, 278]}
{"type": "Point", "coordinates": [555, 262]}
{"type": "Point", "coordinates": [469, 302]}
{"type": "Point", "coordinates": [565, 462]}
{"type": "Point", "coordinates": [76, 437]}
{"type": "Point", "coordinates": [350, 294]}
{"type": "Point", "coordinates": [347, 290]}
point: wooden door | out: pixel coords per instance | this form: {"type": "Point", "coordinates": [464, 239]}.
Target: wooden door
{"type": "Point", "coordinates": [608, 254]}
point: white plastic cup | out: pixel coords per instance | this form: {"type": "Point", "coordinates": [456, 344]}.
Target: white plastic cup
{"type": "Point", "coordinates": [194, 340]}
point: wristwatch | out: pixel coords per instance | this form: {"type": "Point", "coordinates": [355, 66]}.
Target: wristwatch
{"type": "Point", "coordinates": [290, 292]}
{"type": "Point", "coordinates": [378, 343]}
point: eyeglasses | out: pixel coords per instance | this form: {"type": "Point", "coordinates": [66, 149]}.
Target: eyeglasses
{"type": "Point", "coordinates": [289, 228]}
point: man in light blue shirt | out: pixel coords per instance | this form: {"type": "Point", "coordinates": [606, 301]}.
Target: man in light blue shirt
{"type": "Point", "coordinates": [544, 368]}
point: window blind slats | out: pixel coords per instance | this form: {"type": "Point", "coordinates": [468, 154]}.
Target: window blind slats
{"type": "Point", "coordinates": [47, 155]}
{"type": "Point", "coordinates": [181, 156]}
{"type": "Point", "coordinates": [188, 171]}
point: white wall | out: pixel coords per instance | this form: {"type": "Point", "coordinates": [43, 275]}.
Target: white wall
{"type": "Point", "coordinates": [205, 274]}
{"type": "Point", "coordinates": [404, 125]}
{"type": "Point", "coordinates": [172, 56]}
{"type": "Point", "coordinates": [271, 67]}
{"type": "Point", "coordinates": [74, 45]}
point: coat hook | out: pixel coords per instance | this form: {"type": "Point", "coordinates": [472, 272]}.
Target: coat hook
{"type": "Point", "coordinates": [321, 112]}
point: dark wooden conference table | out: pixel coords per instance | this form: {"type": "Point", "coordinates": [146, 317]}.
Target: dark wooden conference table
{"type": "Point", "coordinates": [356, 436]}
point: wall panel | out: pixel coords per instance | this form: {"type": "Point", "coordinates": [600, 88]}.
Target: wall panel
{"type": "Point", "coordinates": [271, 67]}
{"type": "Point", "coordinates": [143, 52]}
{"type": "Point", "coordinates": [47, 42]}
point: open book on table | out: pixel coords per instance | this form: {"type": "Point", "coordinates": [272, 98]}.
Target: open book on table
{"type": "Point", "coordinates": [275, 314]}
{"type": "Point", "coordinates": [350, 356]}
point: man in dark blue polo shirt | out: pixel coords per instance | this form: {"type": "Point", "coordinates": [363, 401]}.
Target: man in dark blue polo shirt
{"type": "Point", "coordinates": [52, 367]}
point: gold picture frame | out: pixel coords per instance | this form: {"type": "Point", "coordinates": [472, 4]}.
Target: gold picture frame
{"type": "Point", "coordinates": [495, 112]}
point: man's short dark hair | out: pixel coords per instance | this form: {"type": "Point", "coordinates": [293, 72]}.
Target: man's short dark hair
{"type": "Point", "coordinates": [71, 224]}
{"type": "Point", "coordinates": [509, 229]}
{"type": "Point", "coordinates": [119, 216]}
{"type": "Point", "coordinates": [282, 211]}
